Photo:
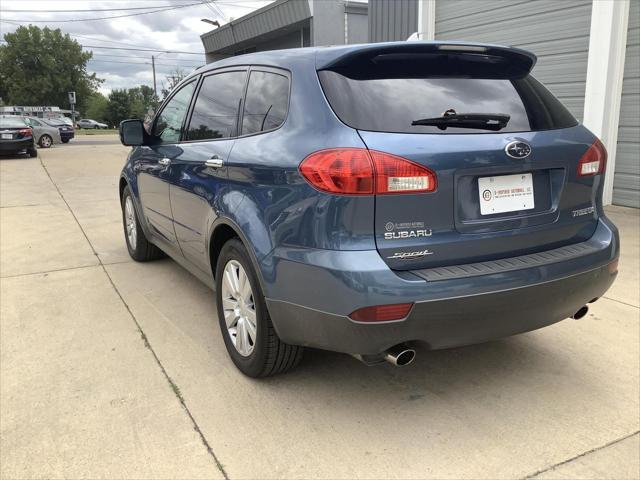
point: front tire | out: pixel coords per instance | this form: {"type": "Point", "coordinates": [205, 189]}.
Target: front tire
{"type": "Point", "coordinates": [45, 141]}
{"type": "Point", "coordinates": [139, 247]}
{"type": "Point", "coordinates": [249, 336]}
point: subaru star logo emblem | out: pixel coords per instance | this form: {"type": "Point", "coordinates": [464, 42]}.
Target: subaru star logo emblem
{"type": "Point", "coordinates": [518, 150]}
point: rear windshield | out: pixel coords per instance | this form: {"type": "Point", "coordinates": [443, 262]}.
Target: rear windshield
{"type": "Point", "coordinates": [12, 122]}
{"type": "Point", "coordinates": [392, 104]}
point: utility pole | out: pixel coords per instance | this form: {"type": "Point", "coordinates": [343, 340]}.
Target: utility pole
{"type": "Point", "coordinates": [153, 67]}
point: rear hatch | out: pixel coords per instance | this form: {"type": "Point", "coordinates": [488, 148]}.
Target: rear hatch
{"type": "Point", "coordinates": [13, 129]}
{"type": "Point", "coordinates": [505, 152]}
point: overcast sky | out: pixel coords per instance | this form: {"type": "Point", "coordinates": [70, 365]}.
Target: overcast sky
{"type": "Point", "coordinates": [177, 29]}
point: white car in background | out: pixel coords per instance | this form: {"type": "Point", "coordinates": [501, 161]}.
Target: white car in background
{"type": "Point", "coordinates": [88, 123]}
{"type": "Point", "coordinates": [44, 135]}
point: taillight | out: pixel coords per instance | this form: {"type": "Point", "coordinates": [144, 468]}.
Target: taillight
{"type": "Point", "coordinates": [382, 313]}
{"type": "Point", "coordinates": [25, 132]}
{"type": "Point", "coordinates": [593, 161]}
{"type": "Point", "coordinates": [358, 171]}
{"type": "Point", "coordinates": [341, 170]}
{"type": "Point", "coordinates": [399, 175]}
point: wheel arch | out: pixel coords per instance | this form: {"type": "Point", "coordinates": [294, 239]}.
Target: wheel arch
{"type": "Point", "coordinates": [122, 184]}
{"type": "Point", "coordinates": [224, 229]}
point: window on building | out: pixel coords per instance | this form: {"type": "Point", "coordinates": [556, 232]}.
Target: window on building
{"type": "Point", "coordinates": [215, 113]}
{"type": "Point", "coordinates": [168, 126]}
{"type": "Point", "coordinates": [267, 100]}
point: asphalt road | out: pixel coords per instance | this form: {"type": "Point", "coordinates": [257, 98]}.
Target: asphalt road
{"type": "Point", "coordinates": [115, 369]}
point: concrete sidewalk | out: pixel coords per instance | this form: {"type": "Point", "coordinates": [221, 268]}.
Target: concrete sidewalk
{"type": "Point", "coordinates": [114, 369]}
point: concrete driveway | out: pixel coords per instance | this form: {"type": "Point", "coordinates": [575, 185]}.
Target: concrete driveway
{"type": "Point", "coordinates": [115, 369]}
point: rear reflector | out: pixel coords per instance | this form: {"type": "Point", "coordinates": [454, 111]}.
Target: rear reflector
{"type": "Point", "coordinates": [382, 313]}
{"type": "Point", "coordinates": [358, 171]}
{"type": "Point", "coordinates": [593, 161]}
{"type": "Point", "coordinates": [613, 266]}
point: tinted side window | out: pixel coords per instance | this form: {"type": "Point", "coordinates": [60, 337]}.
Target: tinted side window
{"type": "Point", "coordinates": [168, 125]}
{"type": "Point", "coordinates": [216, 109]}
{"type": "Point", "coordinates": [266, 105]}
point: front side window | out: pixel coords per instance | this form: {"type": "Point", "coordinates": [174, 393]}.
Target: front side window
{"type": "Point", "coordinates": [168, 126]}
{"type": "Point", "coordinates": [215, 112]}
{"type": "Point", "coordinates": [267, 100]}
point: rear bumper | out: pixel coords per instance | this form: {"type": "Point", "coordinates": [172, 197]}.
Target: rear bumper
{"type": "Point", "coordinates": [14, 146]}
{"type": "Point", "coordinates": [314, 293]}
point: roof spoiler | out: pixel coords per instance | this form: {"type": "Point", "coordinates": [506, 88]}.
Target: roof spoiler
{"type": "Point", "coordinates": [491, 60]}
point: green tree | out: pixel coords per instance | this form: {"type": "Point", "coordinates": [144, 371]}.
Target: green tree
{"type": "Point", "coordinates": [97, 107]}
{"type": "Point", "coordinates": [149, 98]}
{"type": "Point", "coordinates": [173, 79]}
{"type": "Point", "coordinates": [39, 66]}
{"type": "Point", "coordinates": [130, 103]}
{"type": "Point", "coordinates": [119, 107]}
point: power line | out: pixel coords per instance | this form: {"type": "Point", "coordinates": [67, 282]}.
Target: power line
{"type": "Point", "coordinates": [141, 57]}
{"type": "Point", "coordinates": [84, 11]}
{"type": "Point", "coordinates": [158, 10]}
{"type": "Point", "coordinates": [215, 2]}
{"type": "Point", "coordinates": [144, 63]}
{"type": "Point", "coordinates": [109, 41]}
{"type": "Point", "coordinates": [143, 50]}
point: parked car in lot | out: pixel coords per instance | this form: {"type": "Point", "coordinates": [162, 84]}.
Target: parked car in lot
{"type": "Point", "coordinates": [360, 198]}
{"type": "Point", "coordinates": [92, 124]}
{"type": "Point", "coordinates": [45, 135]}
{"type": "Point", "coordinates": [16, 136]}
{"type": "Point", "coordinates": [67, 132]}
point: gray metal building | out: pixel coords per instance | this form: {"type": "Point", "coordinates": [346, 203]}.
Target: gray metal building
{"type": "Point", "coordinates": [565, 36]}
{"type": "Point", "coordinates": [627, 172]}
{"type": "Point", "coordinates": [289, 24]}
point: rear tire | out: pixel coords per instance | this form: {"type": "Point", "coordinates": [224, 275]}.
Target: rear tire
{"type": "Point", "coordinates": [266, 354]}
{"type": "Point", "coordinates": [139, 247]}
{"type": "Point", "coordinates": [33, 153]}
{"type": "Point", "coordinates": [65, 140]}
{"type": "Point", "coordinates": [45, 141]}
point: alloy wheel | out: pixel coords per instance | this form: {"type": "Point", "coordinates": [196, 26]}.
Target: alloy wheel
{"type": "Point", "coordinates": [45, 141]}
{"type": "Point", "coordinates": [130, 222]}
{"type": "Point", "coordinates": [239, 308]}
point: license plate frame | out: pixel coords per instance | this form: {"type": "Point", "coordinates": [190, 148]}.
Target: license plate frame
{"type": "Point", "coordinates": [7, 136]}
{"type": "Point", "coordinates": [506, 193]}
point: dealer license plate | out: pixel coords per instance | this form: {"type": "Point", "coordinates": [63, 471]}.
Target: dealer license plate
{"type": "Point", "coordinates": [7, 136]}
{"type": "Point", "coordinates": [506, 193]}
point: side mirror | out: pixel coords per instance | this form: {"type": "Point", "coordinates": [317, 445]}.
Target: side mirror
{"type": "Point", "coordinates": [132, 133]}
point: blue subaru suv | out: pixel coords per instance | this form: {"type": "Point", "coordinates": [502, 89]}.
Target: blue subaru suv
{"type": "Point", "coordinates": [364, 198]}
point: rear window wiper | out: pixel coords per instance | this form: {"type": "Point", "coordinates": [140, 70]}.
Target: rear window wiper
{"type": "Point", "coordinates": [484, 121]}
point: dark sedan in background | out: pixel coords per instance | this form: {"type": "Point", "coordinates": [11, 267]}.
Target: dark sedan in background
{"type": "Point", "coordinates": [16, 136]}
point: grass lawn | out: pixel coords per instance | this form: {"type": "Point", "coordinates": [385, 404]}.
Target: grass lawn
{"type": "Point", "coordinates": [101, 131]}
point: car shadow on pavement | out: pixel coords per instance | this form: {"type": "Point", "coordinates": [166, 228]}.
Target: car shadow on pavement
{"type": "Point", "coordinates": [19, 156]}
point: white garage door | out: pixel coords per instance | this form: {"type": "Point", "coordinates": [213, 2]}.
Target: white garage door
{"type": "Point", "coordinates": [626, 181]}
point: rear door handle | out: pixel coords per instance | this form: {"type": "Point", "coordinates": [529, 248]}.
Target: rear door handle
{"type": "Point", "coordinates": [164, 162]}
{"type": "Point", "coordinates": [214, 162]}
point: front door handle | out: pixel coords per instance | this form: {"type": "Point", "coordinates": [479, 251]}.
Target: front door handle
{"type": "Point", "coordinates": [165, 162]}
{"type": "Point", "coordinates": [214, 162]}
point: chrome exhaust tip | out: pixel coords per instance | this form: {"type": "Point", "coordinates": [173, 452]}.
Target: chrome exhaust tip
{"type": "Point", "coordinates": [400, 355]}
{"type": "Point", "coordinates": [580, 313]}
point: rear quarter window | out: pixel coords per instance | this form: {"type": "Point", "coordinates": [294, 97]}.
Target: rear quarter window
{"type": "Point", "coordinates": [267, 101]}
{"type": "Point", "coordinates": [392, 104]}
